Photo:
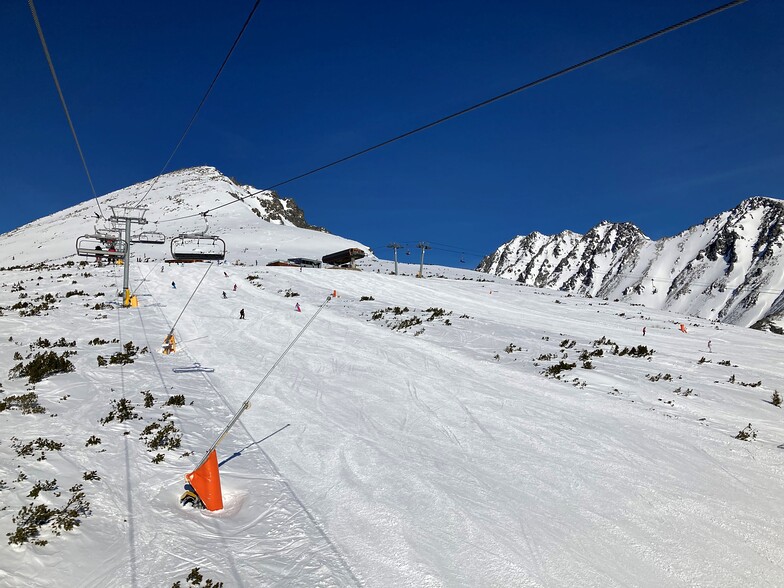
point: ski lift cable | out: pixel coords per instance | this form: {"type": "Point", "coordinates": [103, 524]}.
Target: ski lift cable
{"type": "Point", "coordinates": [489, 101]}
{"type": "Point", "coordinates": [62, 100]}
{"type": "Point", "coordinates": [144, 279]}
{"type": "Point", "coordinates": [245, 405]}
{"type": "Point", "coordinates": [171, 332]}
{"type": "Point", "coordinates": [203, 100]}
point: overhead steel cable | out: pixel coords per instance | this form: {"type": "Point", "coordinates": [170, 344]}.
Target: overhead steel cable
{"type": "Point", "coordinates": [203, 100]}
{"type": "Point", "coordinates": [246, 405]}
{"type": "Point", "coordinates": [496, 98]}
{"type": "Point", "coordinates": [62, 100]}
{"type": "Point", "coordinates": [171, 332]}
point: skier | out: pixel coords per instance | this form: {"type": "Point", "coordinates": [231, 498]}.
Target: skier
{"type": "Point", "coordinates": [710, 350]}
{"type": "Point", "coordinates": [161, 269]}
{"type": "Point", "coordinates": [224, 295]}
{"type": "Point", "coordinates": [643, 331]}
{"type": "Point", "coordinates": [174, 285]}
{"type": "Point", "coordinates": [297, 307]}
{"type": "Point", "coordinates": [683, 328]}
{"type": "Point", "coordinates": [242, 313]}
{"type": "Point", "coordinates": [225, 274]}
{"type": "Point", "coordinates": [235, 287]}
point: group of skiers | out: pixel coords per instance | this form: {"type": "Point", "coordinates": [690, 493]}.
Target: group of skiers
{"type": "Point", "coordinates": [682, 329]}
{"type": "Point", "coordinates": [234, 289]}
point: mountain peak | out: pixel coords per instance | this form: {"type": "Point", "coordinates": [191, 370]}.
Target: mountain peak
{"type": "Point", "coordinates": [252, 222]}
{"type": "Point", "coordinates": [717, 270]}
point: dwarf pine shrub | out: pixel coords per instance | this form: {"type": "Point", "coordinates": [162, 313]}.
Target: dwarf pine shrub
{"type": "Point", "coordinates": [41, 444]}
{"type": "Point", "coordinates": [194, 580]}
{"type": "Point", "coordinates": [122, 410]}
{"type": "Point", "coordinates": [46, 486]}
{"type": "Point", "coordinates": [26, 403]}
{"type": "Point", "coordinates": [746, 434]}
{"type": "Point", "coordinates": [149, 399]}
{"type": "Point", "coordinates": [639, 351]}
{"type": "Point", "coordinates": [42, 366]}
{"type": "Point", "coordinates": [157, 437]}
{"type": "Point", "coordinates": [556, 369]}
{"type": "Point", "coordinates": [32, 518]}
{"type": "Point", "coordinates": [176, 400]}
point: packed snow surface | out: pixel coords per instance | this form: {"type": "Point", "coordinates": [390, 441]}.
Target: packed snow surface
{"type": "Point", "coordinates": [446, 431]}
{"type": "Point", "coordinates": [434, 455]}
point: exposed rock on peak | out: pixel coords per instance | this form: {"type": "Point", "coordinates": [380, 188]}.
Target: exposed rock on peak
{"type": "Point", "coordinates": [727, 268]}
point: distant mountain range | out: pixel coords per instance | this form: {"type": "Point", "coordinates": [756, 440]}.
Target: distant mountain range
{"type": "Point", "coordinates": [729, 268]}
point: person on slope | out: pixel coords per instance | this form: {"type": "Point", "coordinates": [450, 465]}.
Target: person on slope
{"type": "Point", "coordinates": [242, 313]}
{"type": "Point", "coordinates": [235, 287]}
{"type": "Point", "coordinates": [643, 331]}
{"type": "Point", "coordinates": [224, 295]}
{"type": "Point", "coordinates": [174, 285]}
{"type": "Point", "coordinates": [225, 274]}
{"type": "Point", "coordinates": [297, 308]}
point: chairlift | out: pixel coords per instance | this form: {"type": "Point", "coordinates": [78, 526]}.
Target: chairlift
{"type": "Point", "coordinates": [198, 247]}
{"type": "Point", "coordinates": [100, 246]}
{"type": "Point", "coordinates": [107, 235]}
{"type": "Point", "coordinates": [149, 237]}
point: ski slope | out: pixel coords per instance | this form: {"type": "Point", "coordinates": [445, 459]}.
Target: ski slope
{"type": "Point", "coordinates": [433, 455]}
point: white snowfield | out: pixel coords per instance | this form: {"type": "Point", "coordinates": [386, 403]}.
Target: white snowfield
{"type": "Point", "coordinates": [433, 454]}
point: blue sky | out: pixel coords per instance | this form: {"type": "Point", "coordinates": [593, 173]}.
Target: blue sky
{"type": "Point", "coordinates": [663, 135]}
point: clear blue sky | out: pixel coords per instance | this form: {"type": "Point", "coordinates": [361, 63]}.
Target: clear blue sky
{"type": "Point", "coordinates": [663, 135]}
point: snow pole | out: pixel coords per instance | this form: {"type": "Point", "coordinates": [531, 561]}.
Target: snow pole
{"type": "Point", "coordinates": [168, 341]}
{"type": "Point", "coordinates": [205, 475]}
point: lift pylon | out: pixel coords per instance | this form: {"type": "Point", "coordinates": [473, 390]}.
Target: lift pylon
{"type": "Point", "coordinates": [128, 215]}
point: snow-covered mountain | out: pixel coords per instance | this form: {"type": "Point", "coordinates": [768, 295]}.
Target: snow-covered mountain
{"type": "Point", "coordinates": [259, 229]}
{"type": "Point", "coordinates": [459, 430]}
{"type": "Point", "coordinates": [729, 268]}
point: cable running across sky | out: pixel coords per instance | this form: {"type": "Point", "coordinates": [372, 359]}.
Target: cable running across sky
{"type": "Point", "coordinates": [496, 98]}
{"type": "Point", "coordinates": [203, 100]}
{"type": "Point", "coordinates": [62, 100]}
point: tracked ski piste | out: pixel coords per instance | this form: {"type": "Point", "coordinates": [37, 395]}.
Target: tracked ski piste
{"type": "Point", "coordinates": [409, 459]}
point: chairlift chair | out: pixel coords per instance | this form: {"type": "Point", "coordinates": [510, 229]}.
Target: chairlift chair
{"type": "Point", "coordinates": [107, 235]}
{"type": "Point", "coordinates": [149, 237]}
{"type": "Point", "coordinates": [100, 246]}
{"type": "Point", "coordinates": [198, 247]}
